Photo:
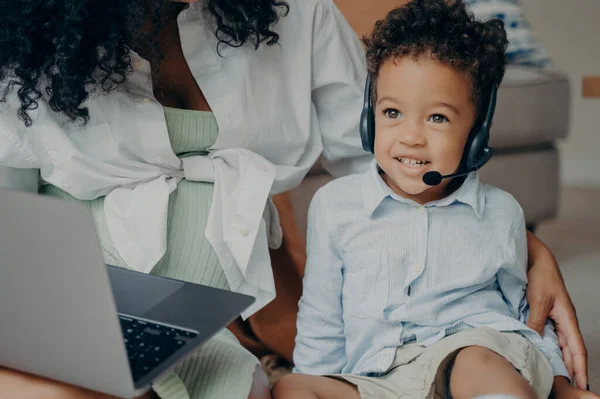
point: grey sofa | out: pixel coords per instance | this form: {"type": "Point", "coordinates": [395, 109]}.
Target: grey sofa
{"type": "Point", "coordinates": [532, 114]}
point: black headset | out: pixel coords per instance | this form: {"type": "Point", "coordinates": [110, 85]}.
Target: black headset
{"type": "Point", "coordinates": [476, 154]}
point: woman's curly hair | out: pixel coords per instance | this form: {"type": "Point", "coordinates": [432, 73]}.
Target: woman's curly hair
{"type": "Point", "coordinates": [63, 50]}
{"type": "Point", "coordinates": [446, 31]}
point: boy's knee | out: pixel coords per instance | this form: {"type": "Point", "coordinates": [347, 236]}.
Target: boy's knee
{"type": "Point", "coordinates": [478, 356]}
{"type": "Point", "coordinates": [286, 384]}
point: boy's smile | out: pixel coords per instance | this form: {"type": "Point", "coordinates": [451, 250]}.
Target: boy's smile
{"type": "Point", "coordinates": [423, 115]}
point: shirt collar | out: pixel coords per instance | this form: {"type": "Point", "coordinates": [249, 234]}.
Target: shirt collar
{"type": "Point", "coordinates": [469, 193]}
{"type": "Point", "coordinates": [375, 191]}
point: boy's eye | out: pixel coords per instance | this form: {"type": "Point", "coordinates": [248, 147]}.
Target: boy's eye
{"type": "Point", "coordinates": [391, 113]}
{"type": "Point", "coordinates": [438, 118]}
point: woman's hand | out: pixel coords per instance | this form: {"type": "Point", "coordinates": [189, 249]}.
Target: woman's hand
{"type": "Point", "coordinates": [548, 297]}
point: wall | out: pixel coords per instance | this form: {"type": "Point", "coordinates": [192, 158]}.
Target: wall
{"type": "Point", "coordinates": [362, 14]}
{"type": "Point", "coordinates": [570, 31]}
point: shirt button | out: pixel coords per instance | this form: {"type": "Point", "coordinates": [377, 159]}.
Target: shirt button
{"type": "Point", "coordinates": [244, 231]}
{"type": "Point", "coordinates": [261, 166]}
{"type": "Point", "coordinates": [421, 210]}
{"type": "Point", "coordinates": [147, 100]}
{"type": "Point", "coordinates": [159, 160]}
{"type": "Point", "coordinates": [137, 63]}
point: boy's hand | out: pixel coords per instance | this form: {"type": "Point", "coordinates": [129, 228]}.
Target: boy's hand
{"type": "Point", "coordinates": [562, 389]}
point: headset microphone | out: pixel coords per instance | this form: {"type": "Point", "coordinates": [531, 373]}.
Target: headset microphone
{"type": "Point", "coordinates": [434, 178]}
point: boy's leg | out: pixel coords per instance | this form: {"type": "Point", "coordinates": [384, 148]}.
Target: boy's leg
{"type": "Point", "coordinates": [480, 371]}
{"type": "Point", "coordinates": [301, 386]}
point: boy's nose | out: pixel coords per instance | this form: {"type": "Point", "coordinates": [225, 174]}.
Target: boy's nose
{"type": "Point", "coordinates": [412, 136]}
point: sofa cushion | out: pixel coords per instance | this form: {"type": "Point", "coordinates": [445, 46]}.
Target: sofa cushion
{"type": "Point", "coordinates": [523, 48]}
{"type": "Point", "coordinates": [531, 177]}
{"type": "Point", "coordinates": [532, 108]}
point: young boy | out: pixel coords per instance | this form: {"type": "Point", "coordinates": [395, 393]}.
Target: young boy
{"type": "Point", "coordinates": [411, 290]}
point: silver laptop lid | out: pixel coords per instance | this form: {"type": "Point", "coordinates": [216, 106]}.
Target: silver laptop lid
{"type": "Point", "coordinates": [58, 315]}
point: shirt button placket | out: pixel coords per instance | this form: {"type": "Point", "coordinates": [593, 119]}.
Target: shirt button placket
{"type": "Point", "coordinates": [420, 266]}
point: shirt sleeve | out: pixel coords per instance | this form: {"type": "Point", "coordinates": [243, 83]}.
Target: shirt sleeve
{"type": "Point", "coordinates": [320, 341]}
{"type": "Point", "coordinates": [19, 167]}
{"type": "Point", "coordinates": [553, 348]}
{"type": "Point", "coordinates": [512, 280]}
{"type": "Point", "coordinates": [338, 81]}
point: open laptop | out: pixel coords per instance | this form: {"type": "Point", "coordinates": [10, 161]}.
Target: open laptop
{"type": "Point", "coordinates": [68, 317]}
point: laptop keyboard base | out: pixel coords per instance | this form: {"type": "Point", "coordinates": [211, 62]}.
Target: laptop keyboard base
{"type": "Point", "coordinates": [149, 344]}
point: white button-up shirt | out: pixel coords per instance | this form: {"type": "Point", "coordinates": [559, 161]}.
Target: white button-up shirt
{"type": "Point", "coordinates": [278, 109]}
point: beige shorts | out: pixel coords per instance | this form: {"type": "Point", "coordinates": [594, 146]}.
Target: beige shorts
{"type": "Point", "coordinates": [422, 372]}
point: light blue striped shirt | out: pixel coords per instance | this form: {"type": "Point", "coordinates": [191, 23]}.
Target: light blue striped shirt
{"type": "Point", "coordinates": [383, 270]}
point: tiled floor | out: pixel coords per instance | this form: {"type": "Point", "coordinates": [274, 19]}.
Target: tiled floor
{"type": "Point", "coordinates": [574, 237]}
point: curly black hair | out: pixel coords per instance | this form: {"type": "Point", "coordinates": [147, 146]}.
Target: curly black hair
{"type": "Point", "coordinates": [63, 50]}
{"type": "Point", "coordinates": [446, 31]}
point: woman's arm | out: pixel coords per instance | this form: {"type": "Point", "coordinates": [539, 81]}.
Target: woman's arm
{"type": "Point", "coordinates": [338, 82]}
{"type": "Point", "coordinates": [548, 298]}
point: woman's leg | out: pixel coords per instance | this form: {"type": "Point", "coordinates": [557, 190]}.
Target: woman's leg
{"type": "Point", "coordinates": [480, 371]}
{"type": "Point", "coordinates": [301, 386]}
{"type": "Point", "coordinates": [224, 369]}
{"type": "Point", "coordinates": [220, 368]}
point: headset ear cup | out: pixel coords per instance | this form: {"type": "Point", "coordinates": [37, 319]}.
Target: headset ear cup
{"type": "Point", "coordinates": [365, 130]}
{"type": "Point", "coordinates": [371, 114]}
{"type": "Point", "coordinates": [476, 154]}
{"type": "Point", "coordinates": [477, 150]}
{"type": "Point", "coordinates": [367, 120]}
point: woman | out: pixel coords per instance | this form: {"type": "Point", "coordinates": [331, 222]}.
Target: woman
{"type": "Point", "coordinates": [117, 104]}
